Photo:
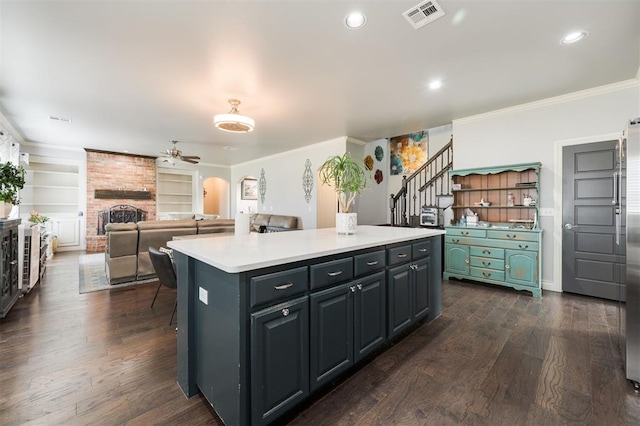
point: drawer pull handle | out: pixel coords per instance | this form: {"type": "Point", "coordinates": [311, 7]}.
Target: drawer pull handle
{"type": "Point", "coordinates": [486, 275]}
{"type": "Point", "coordinates": [464, 232]}
{"type": "Point", "coordinates": [526, 246]}
{"type": "Point", "coordinates": [13, 262]}
{"type": "Point", "coordinates": [359, 286]}
{"type": "Point", "coordinates": [352, 288]}
{"type": "Point", "coordinates": [456, 241]}
{"type": "Point", "coordinates": [334, 274]}
{"type": "Point", "coordinates": [284, 286]}
{"type": "Point", "coordinates": [512, 236]}
{"type": "Point", "coordinates": [402, 255]}
{"type": "Point", "coordinates": [486, 263]}
{"type": "Point", "coordinates": [375, 262]}
{"type": "Point", "coordinates": [422, 250]}
{"type": "Point", "coordinates": [486, 252]}
{"type": "Point", "coordinates": [285, 312]}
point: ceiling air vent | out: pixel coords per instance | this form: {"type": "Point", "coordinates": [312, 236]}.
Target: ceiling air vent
{"type": "Point", "coordinates": [420, 15]}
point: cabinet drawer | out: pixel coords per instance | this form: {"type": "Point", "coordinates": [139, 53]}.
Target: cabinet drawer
{"type": "Point", "coordinates": [513, 235]}
{"type": "Point", "coordinates": [454, 239]}
{"type": "Point", "coordinates": [369, 262]}
{"type": "Point", "coordinates": [487, 274]}
{"type": "Point", "coordinates": [333, 272]}
{"type": "Point", "coordinates": [467, 232]}
{"type": "Point", "coordinates": [487, 262]}
{"type": "Point", "coordinates": [421, 249]}
{"type": "Point", "coordinates": [397, 255]}
{"type": "Point", "coordinates": [495, 253]}
{"type": "Point", "coordinates": [277, 286]}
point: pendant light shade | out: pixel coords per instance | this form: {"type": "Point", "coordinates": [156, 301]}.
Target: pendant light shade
{"type": "Point", "coordinates": [233, 121]}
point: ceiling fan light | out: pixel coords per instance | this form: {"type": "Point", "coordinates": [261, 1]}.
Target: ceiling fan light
{"type": "Point", "coordinates": [236, 123]}
{"type": "Point", "coordinates": [233, 121]}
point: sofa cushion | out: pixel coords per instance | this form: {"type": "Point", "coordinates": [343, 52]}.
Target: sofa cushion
{"type": "Point", "coordinates": [166, 224]}
{"type": "Point", "coordinates": [216, 226]}
{"type": "Point", "coordinates": [121, 243]}
{"type": "Point", "coordinates": [206, 216]}
{"type": "Point", "coordinates": [284, 222]}
{"type": "Point", "coordinates": [130, 226]}
{"type": "Point", "coordinates": [157, 237]}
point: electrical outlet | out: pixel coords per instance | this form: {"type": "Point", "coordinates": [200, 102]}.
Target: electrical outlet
{"type": "Point", "coordinates": [547, 212]}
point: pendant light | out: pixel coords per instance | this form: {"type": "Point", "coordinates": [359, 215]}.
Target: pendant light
{"type": "Point", "coordinates": [233, 121]}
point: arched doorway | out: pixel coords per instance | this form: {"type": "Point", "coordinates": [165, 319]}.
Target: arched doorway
{"type": "Point", "coordinates": [215, 198]}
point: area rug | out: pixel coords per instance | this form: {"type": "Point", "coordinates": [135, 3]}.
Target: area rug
{"type": "Point", "coordinates": [94, 278]}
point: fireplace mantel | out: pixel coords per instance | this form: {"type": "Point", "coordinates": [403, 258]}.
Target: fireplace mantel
{"type": "Point", "coordinates": [123, 194]}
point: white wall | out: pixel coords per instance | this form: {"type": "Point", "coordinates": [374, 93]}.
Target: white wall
{"type": "Point", "coordinates": [530, 133]}
{"type": "Point", "coordinates": [373, 206]}
{"type": "Point", "coordinates": [283, 174]}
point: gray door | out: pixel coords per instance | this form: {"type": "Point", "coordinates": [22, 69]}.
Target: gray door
{"type": "Point", "coordinates": [592, 262]}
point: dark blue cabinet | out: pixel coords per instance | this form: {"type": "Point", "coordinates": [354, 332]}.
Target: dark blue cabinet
{"type": "Point", "coordinates": [280, 362]}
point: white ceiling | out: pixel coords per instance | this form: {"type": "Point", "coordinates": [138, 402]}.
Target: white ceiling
{"type": "Point", "coordinates": [134, 74]}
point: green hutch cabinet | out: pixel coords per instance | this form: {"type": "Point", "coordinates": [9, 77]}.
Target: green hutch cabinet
{"type": "Point", "coordinates": [501, 242]}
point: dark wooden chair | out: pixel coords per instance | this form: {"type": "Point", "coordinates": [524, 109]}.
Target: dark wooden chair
{"type": "Point", "coordinates": [163, 265]}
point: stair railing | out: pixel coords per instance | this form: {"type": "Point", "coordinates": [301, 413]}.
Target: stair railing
{"type": "Point", "coordinates": [422, 188]}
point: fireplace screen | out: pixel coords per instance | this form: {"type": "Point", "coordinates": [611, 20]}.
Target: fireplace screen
{"type": "Point", "coordinates": [122, 213]}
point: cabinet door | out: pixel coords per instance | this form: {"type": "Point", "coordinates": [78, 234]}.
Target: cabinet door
{"type": "Point", "coordinates": [420, 277]}
{"type": "Point", "coordinates": [521, 267]}
{"type": "Point", "coordinates": [370, 314]}
{"type": "Point", "coordinates": [331, 334]}
{"type": "Point", "coordinates": [457, 259]}
{"type": "Point", "coordinates": [400, 297]}
{"type": "Point", "coordinates": [280, 360]}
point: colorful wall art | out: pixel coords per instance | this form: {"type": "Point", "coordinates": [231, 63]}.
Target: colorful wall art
{"type": "Point", "coordinates": [408, 152]}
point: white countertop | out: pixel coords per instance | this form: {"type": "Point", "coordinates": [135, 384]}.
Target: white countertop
{"type": "Point", "coordinates": [241, 253]}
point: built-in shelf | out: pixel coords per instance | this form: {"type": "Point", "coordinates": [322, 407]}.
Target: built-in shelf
{"type": "Point", "coordinates": [175, 192]}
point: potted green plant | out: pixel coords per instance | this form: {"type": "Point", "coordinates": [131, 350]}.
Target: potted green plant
{"type": "Point", "coordinates": [11, 181]}
{"type": "Point", "coordinates": [349, 178]}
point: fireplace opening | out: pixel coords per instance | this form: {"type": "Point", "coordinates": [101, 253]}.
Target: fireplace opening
{"type": "Point", "coordinates": [121, 213]}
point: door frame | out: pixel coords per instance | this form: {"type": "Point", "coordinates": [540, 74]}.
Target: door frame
{"type": "Point", "coordinates": [557, 199]}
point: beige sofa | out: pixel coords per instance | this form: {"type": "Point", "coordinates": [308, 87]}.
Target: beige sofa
{"type": "Point", "coordinates": [127, 246]}
{"type": "Point", "coordinates": [272, 222]}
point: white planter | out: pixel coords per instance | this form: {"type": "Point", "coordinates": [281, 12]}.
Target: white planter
{"type": "Point", "coordinates": [5, 209]}
{"type": "Point", "coordinates": [346, 223]}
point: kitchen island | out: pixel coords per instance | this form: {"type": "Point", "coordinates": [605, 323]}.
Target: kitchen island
{"type": "Point", "coordinates": [265, 320]}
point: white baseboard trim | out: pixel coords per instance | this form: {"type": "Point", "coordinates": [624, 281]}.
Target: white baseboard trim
{"type": "Point", "coordinates": [551, 286]}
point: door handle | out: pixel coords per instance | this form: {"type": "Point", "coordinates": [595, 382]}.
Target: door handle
{"type": "Point", "coordinates": [570, 226]}
{"type": "Point", "coordinates": [616, 195]}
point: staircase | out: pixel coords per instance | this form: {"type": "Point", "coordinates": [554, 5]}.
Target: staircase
{"type": "Point", "coordinates": [424, 187]}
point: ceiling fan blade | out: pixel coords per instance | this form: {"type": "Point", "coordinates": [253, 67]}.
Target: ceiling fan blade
{"type": "Point", "coordinates": [193, 157]}
{"type": "Point", "coordinates": [189, 160]}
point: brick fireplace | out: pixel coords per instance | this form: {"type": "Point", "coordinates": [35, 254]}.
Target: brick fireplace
{"type": "Point", "coordinates": [117, 179]}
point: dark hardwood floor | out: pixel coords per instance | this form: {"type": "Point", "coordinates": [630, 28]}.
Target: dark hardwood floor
{"type": "Point", "coordinates": [495, 357]}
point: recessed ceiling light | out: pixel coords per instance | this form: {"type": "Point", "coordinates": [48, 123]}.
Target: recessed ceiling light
{"type": "Point", "coordinates": [574, 37]}
{"type": "Point", "coordinates": [230, 148]}
{"type": "Point", "coordinates": [435, 84]}
{"type": "Point", "coordinates": [355, 20]}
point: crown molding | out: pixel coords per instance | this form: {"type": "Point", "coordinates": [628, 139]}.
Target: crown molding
{"type": "Point", "coordinates": [6, 125]}
{"type": "Point", "coordinates": [569, 97]}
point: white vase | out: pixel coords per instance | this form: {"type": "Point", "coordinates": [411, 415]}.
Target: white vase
{"type": "Point", "coordinates": [346, 223]}
{"type": "Point", "coordinates": [5, 209]}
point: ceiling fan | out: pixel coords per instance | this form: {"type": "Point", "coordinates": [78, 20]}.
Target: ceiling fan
{"type": "Point", "coordinates": [172, 154]}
